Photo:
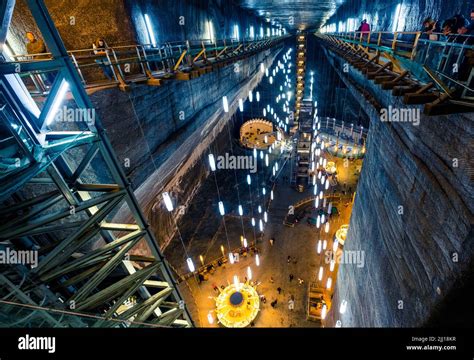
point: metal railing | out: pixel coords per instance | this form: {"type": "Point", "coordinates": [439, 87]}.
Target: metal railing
{"type": "Point", "coordinates": [449, 57]}
{"type": "Point", "coordinates": [135, 62]}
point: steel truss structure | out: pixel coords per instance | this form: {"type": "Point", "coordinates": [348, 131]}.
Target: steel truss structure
{"type": "Point", "coordinates": [61, 188]}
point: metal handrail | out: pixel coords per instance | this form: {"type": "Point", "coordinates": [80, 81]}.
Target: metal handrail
{"type": "Point", "coordinates": [134, 61]}
{"type": "Point", "coordinates": [415, 53]}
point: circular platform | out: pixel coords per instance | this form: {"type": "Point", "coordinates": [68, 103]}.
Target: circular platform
{"type": "Point", "coordinates": [237, 307]}
{"type": "Point", "coordinates": [259, 134]}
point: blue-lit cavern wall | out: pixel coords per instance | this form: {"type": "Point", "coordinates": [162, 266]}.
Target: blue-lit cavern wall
{"type": "Point", "coordinates": [412, 219]}
{"type": "Point", "coordinates": [122, 22]}
{"type": "Point", "coordinates": [189, 20]}
{"type": "Point", "coordinates": [381, 13]}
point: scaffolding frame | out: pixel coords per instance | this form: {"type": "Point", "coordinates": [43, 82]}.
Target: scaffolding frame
{"type": "Point", "coordinates": [53, 202]}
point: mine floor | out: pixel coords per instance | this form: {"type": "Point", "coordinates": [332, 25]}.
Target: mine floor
{"type": "Point", "coordinates": [298, 242]}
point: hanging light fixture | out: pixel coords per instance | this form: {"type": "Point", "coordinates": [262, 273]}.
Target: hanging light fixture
{"type": "Point", "coordinates": [221, 208]}
{"type": "Point", "coordinates": [212, 162]}
{"type": "Point", "coordinates": [231, 258]}
{"type": "Point", "coordinates": [249, 273]}
{"type": "Point", "coordinates": [190, 265]}
{"type": "Point", "coordinates": [241, 210]}
{"type": "Point", "coordinates": [168, 202]}
{"type": "Point", "coordinates": [329, 283]}
{"type": "Point", "coordinates": [323, 312]}
{"type": "Point", "coordinates": [250, 96]}
{"type": "Point", "coordinates": [236, 282]}
{"type": "Point", "coordinates": [225, 104]}
{"type": "Point", "coordinates": [241, 105]}
{"type": "Point", "coordinates": [326, 229]}
{"type": "Point", "coordinates": [249, 180]}
{"type": "Point", "coordinates": [245, 243]}
{"type": "Point", "coordinates": [210, 318]}
{"type": "Point", "coordinates": [253, 221]}
{"type": "Point", "coordinates": [319, 247]}
{"type": "Point", "coordinates": [257, 260]}
{"type": "Point", "coordinates": [320, 274]}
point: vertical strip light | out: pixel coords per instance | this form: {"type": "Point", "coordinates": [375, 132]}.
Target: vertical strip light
{"type": "Point", "coordinates": [61, 94]}
{"type": "Point", "coordinates": [149, 28]}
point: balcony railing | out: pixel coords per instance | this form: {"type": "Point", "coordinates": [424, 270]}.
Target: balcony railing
{"type": "Point", "coordinates": [446, 59]}
{"type": "Point", "coordinates": [133, 63]}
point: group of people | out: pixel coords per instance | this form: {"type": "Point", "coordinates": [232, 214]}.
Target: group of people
{"type": "Point", "coordinates": [456, 25]}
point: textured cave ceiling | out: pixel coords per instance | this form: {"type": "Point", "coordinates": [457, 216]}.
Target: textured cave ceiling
{"type": "Point", "coordinates": [293, 14]}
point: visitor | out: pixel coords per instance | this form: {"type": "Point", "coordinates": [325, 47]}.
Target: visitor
{"type": "Point", "coordinates": [279, 290]}
{"type": "Point", "coordinates": [429, 27]}
{"type": "Point", "coordinates": [272, 241]}
{"type": "Point", "coordinates": [263, 299]}
{"type": "Point", "coordinates": [289, 259]}
{"type": "Point", "coordinates": [291, 277]}
{"type": "Point", "coordinates": [464, 29]}
{"type": "Point", "coordinates": [273, 303]}
{"type": "Point", "coordinates": [216, 289]}
{"type": "Point", "coordinates": [36, 48]}
{"type": "Point", "coordinates": [364, 27]}
{"type": "Point", "coordinates": [271, 280]}
{"type": "Point", "coordinates": [100, 48]}
{"type": "Point", "coordinates": [449, 27]}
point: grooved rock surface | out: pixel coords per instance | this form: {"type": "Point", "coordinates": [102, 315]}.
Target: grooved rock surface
{"type": "Point", "coordinates": [412, 217]}
{"type": "Point", "coordinates": [381, 13]}
{"type": "Point", "coordinates": [161, 133]}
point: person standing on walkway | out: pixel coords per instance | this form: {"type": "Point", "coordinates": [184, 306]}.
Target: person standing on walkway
{"type": "Point", "coordinates": [289, 259]}
{"type": "Point", "coordinates": [272, 241]}
{"type": "Point", "coordinates": [291, 277]}
{"type": "Point", "coordinates": [279, 290]}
